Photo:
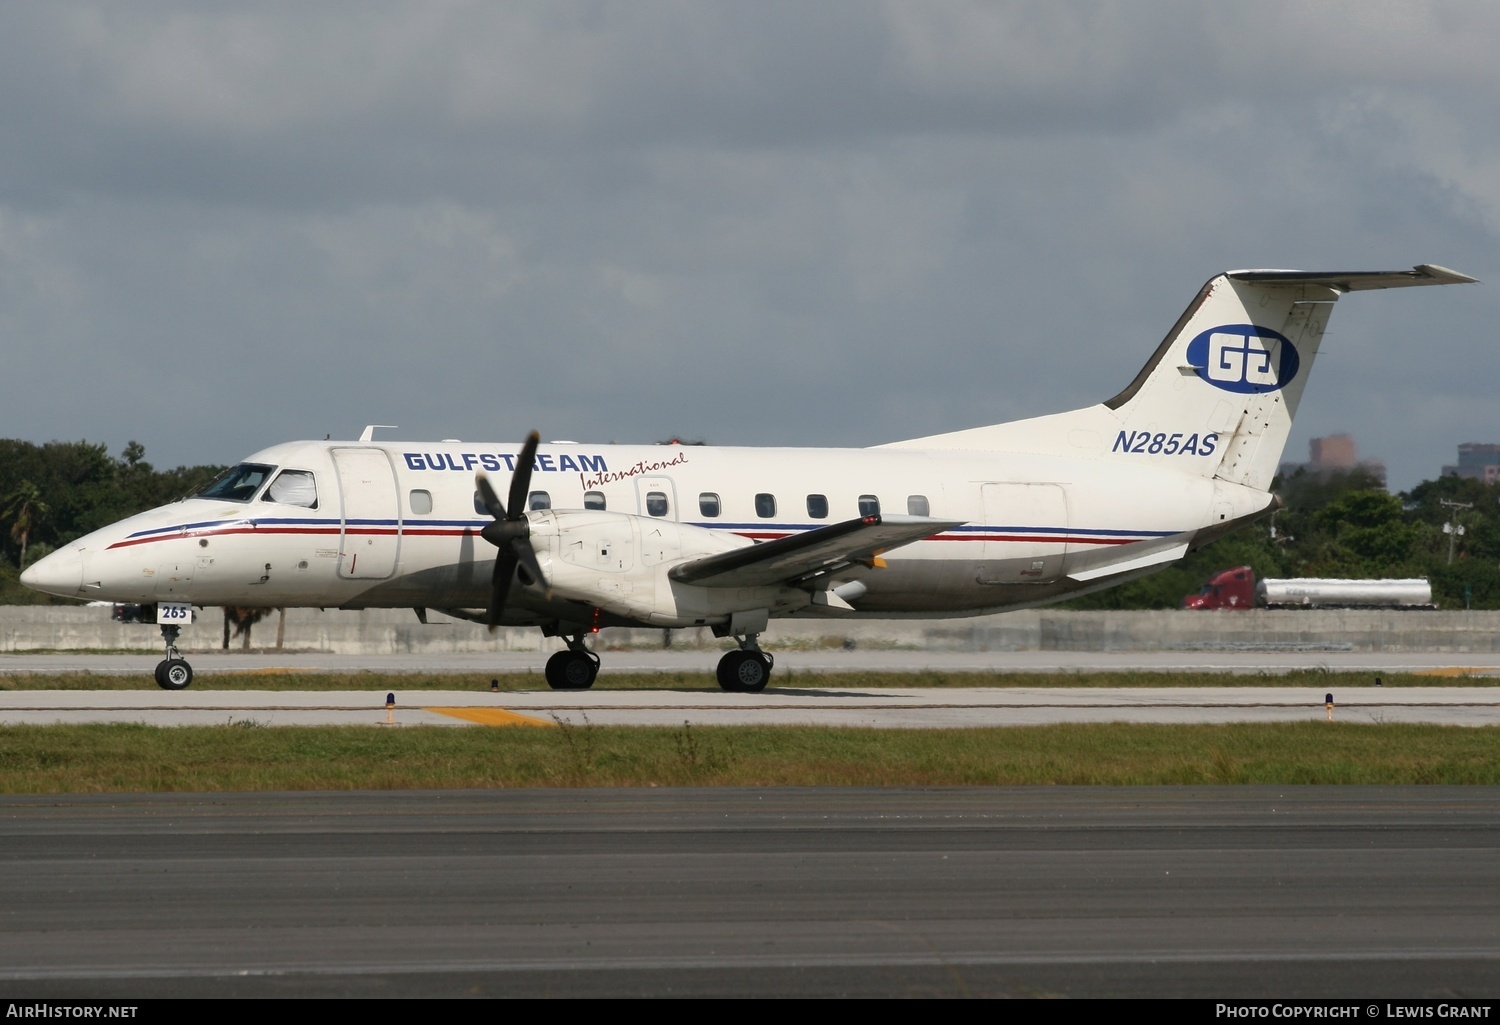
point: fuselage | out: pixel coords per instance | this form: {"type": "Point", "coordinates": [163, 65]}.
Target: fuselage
{"type": "Point", "coordinates": [397, 524]}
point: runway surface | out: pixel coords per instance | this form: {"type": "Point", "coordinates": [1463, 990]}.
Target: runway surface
{"type": "Point", "coordinates": [788, 661]}
{"type": "Point", "coordinates": [1203, 892]}
{"type": "Point", "coordinates": [830, 706]}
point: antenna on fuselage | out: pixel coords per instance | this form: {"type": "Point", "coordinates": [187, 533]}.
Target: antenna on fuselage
{"type": "Point", "coordinates": [369, 431]}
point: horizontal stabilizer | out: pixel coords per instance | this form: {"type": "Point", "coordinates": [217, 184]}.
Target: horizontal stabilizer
{"type": "Point", "coordinates": [1358, 281]}
{"type": "Point", "coordinates": [825, 549]}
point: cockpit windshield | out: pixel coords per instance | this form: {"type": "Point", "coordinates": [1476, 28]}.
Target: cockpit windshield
{"type": "Point", "coordinates": [238, 483]}
{"type": "Point", "coordinates": [293, 487]}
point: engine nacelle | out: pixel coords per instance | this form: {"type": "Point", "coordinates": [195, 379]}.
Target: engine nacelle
{"type": "Point", "coordinates": [619, 562]}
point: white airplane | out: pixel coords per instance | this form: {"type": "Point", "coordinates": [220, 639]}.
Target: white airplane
{"type": "Point", "coordinates": [977, 521]}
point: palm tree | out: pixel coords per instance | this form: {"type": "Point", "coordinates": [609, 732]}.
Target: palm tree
{"type": "Point", "coordinates": [25, 509]}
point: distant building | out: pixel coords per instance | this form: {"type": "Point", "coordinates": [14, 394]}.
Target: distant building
{"type": "Point", "coordinates": [1335, 454]}
{"type": "Point", "coordinates": [1477, 461]}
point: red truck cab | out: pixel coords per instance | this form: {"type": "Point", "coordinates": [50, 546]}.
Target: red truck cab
{"type": "Point", "coordinates": [1231, 589]}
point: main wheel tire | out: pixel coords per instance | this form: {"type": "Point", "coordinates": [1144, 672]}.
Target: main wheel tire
{"type": "Point", "coordinates": [571, 670]}
{"type": "Point", "coordinates": [727, 672]}
{"type": "Point", "coordinates": [173, 674]}
{"type": "Point", "coordinates": [744, 672]}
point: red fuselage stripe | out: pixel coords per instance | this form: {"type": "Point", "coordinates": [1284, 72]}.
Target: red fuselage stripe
{"type": "Point", "coordinates": [474, 531]}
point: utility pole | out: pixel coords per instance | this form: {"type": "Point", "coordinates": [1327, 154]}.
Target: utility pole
{"type": "Point", "coordinates": [1453, 529]}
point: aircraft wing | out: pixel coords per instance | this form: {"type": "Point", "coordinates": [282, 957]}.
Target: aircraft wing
{"type": "Point", "coordinates": [823, 550]}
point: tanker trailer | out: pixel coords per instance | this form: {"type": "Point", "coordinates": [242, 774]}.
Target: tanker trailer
{"type": "Point", "coordinates": [1319, 593]}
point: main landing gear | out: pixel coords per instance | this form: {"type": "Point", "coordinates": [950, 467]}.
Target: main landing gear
{"type": "Point", "coordinates": [747, 670]}
{"type": "Point", "coordinates": [573, 669]}
{"type": "Point", "coordinates": [172, 673]}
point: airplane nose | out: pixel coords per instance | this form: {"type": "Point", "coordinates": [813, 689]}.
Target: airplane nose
{"type": "Point", "coordinates": [60, 573]}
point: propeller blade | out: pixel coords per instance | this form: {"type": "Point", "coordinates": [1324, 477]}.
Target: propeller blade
{"type": "Point", "coordinates": [505, 568]}
{"type": "Point", "coordinates": [510, 532]}
{"type": "Point", "coordinates": [533, 568]}
{"type": "Point", "coordinates": [520, 481]}
{"type": "Point", "coordinates": [488, 497]}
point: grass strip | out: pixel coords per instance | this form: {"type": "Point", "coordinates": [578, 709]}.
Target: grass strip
{"type": "Point", "coordinates": [245, 756]}
{"type": "Point", "coordinates": [273, 680]}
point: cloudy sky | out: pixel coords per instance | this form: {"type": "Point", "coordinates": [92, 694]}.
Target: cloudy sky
{"type": "Point", "coordinates": [827, 223]}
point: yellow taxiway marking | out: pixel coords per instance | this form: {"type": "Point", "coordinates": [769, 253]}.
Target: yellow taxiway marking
{"type": "Point", "coordinates": [1455, 671]}
{"type": "Point", "coordinates": [492, 716]}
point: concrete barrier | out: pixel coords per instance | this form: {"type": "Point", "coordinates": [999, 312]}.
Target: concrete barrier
{"type": "Point", "coordinates": [397, 631]}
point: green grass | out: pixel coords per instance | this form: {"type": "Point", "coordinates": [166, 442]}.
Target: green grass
{"type": "Point", "coordinates": [245, 756]}
{"type": "Point", "coordinates": [289, 680]}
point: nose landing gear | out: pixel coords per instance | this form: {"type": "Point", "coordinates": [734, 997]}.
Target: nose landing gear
{"type": "Point", "coordinates": [172, 673]}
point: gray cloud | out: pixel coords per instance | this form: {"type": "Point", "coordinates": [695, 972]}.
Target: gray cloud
{"type": "Point", "coordinates": [761, 224]}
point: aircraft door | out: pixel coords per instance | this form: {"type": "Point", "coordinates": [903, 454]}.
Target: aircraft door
{"type": "Point", "coordinates": [370, 526]}
{"type": "Point", "coordinates": [1025, 535]}
{"type": "Point", "coordinates": [656, 497]}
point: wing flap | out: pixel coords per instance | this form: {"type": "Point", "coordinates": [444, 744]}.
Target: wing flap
{"type": "Point", "coordinates": [821, 550]}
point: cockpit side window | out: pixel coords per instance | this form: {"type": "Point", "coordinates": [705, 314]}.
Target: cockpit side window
{"type": "Point", "coordinates": [238, 483]}
{"type": "Point", "coordinates": [293, 487]}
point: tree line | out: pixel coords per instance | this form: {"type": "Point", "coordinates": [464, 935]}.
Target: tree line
{"type": "Point", "coordinates": [53, 493]}
{"type": "Point", "coordinates": [1333, 525]}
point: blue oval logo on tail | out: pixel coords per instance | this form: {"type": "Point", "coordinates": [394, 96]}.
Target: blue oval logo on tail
{"type": "Point", "coordinates": [1244, 358]}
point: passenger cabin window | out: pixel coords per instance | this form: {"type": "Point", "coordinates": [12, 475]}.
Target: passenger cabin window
{"type": "Point", "coordinates": [293, 487]}
{"type": "Point", "coordinates": [869, 505]}
{"type": "Point", "coordinates": [420, 502]}
{"type": "Point", "coordinates": [916, 505]}
{"type": "Point", "coordinates": [238, 483]}
{"type": "Point", "coordinates": [709, 504]}
{"type": "Point", "coordinates": [479, 504]}
{"type": "Point", "coordinates": [538, 500]}
{"type": "Point", "coordinates": [593, 500]}
{"type": "Point", "coordinates": [765, 505]}
{"type": "Point", "coordinates": [656, 503]}
{"type": "Point", "coordinates": [817, 506]}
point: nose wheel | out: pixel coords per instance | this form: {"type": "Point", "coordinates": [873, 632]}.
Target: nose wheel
{"type": "Point", "coordinates": [173, 672]}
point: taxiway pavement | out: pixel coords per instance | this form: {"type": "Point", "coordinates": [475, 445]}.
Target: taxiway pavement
{"type": "Point", "coordinates": [804, 706]}
{"type": "Point", "coordinates": [821, 661]}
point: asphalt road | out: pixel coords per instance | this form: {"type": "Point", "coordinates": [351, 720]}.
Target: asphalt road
{"type": "Point", "coordinates": [1204, 892]}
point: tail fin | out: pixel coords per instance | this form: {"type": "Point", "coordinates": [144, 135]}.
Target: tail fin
{"type": "Point", "coordinates": [1219, 394]}
{"type": "Point", "coordinates": [1233, 369]}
